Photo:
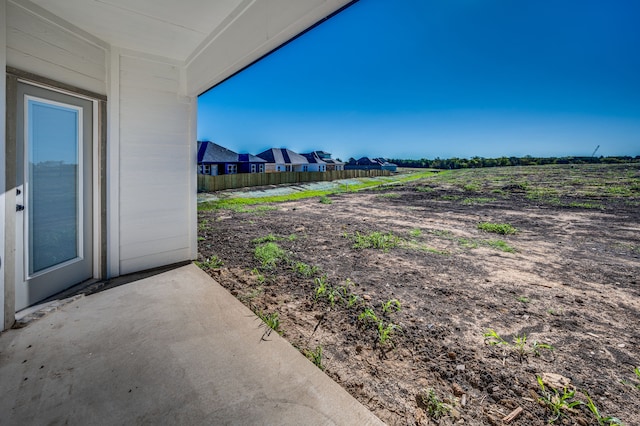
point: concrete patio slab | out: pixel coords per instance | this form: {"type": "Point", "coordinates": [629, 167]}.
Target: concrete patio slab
{"type": "Point", "coordinates": [175, 348]}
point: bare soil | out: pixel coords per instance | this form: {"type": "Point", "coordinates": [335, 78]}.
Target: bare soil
{"type": "Point", "coordinates": [571, 282]}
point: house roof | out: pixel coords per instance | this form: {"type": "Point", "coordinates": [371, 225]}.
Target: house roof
{"type": "Point", "coordinates": [283, 156]}
{"type": "Point", "coordinates": [314, 158]}
{"type": "Point", "coordinates": [209, 152]}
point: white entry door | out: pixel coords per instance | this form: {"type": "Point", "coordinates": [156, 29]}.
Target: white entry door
{"type": "Point", "coordinates": [54, 229]}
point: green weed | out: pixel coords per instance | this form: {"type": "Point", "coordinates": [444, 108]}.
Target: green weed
{"type": "Point", "coordinates": [266, 239]}
{"type": "Point", "coordinates": [204, 225]}
{"type": "Point", "coordinates": [385, 332]}
{"type": "Point", "coordinates": [500, 245]}
{"type": "Point", "coordinates": [415, 233]}
{"type": "Point", "coordinates": [211, 263]}
{"type": "Point", "coordinates": [558, 404]}
{"type": "Point", "coordinates": [376, 240]}
{"type": "Point", "coordinates": [368, 316]}
{"type": "Point", "coordinates": [315, 356]}
{"type": "Point", "coordinates": [320, 286]}
{"type": "Point", "coordinates": [305, 270]}
{"type": "Point", "coordinates": [477, 200]}
{"type": "Point", "coordinates": [325, 200]}
{"type": "Point", "coordinates": [599, 418]}
{"type": "Point", "coordinates": [271, 321]}
{"type": "Point", "coordinates": [523, 299]}
{"type": "Point", "coordinates": [269, 254]}
{"type": "Point", "coordinates": [435, 407]}
{"type": "Point", "coordinates": [497, 228]}
{"type": "Point", "coordinates": [392, 305]}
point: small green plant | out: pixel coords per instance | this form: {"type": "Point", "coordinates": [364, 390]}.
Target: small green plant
{"type": "Point", "coordinates": [392, 305]}
{"type": "Point", "coordinates": [321, 286]}
{"type": "Point", "coordinates": [535, 348]}
{"type": "Point", "coordinates": [266, 239]}
{"type": "Point", "coordinates": [333, 296]}
{"type": "Point", "coordinates": [305, 270]}
{"type": "Point", "coordinates": [204, 225]}
{"type": "Point", "coordinates": [500, 245]}
{"type": "Point", "coordinates": [600, 419]}
{"type": "Point", "coordinates": [212, 262]}
{"type": "Point", "coordinates": [200, 238]}
{"type": "Point", "coordinates": [315, 356]}
{"type": "Point", "coordinates": [558, 404]}
{"type": "Point", "coordinates": [271, 321]}
{"type": "Point", "coordinates": [259, 276]}
{"type": "Point", "coordinates": [497, 228]}
{"type": "Point", "coordinates": [325, 200]}
{"type": "Point", "coordinates": [368, 316]}
{"type": "Point", "coordinates": [435, 407]}
{"type": "Point", "coordinates": [376, 240]}
{"type": "Point", "coordinates": [637, 371]}
{"type": "Point", "coordinates": [491, 337]}
{"type": "Point", "coordinates": [269, 254]}
{"type": "Point", "coordinates": [523, 299]}
{"type": "Point", "coordinates": [415, 233]}
{"type": "Point", "coordinates": [353, 300]}
{"type": "Point", "coordinates": [385, 331]}
{"type": "Point", "coordinates": [519, 345]}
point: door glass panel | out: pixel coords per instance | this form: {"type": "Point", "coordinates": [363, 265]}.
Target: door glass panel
{"type": "Point", "coordinates": [53, 136]}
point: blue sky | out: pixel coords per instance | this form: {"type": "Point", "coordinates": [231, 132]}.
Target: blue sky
{"type": "Point", "coordinates": [443, 78]}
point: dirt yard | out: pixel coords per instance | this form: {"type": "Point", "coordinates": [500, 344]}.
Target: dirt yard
{"type": "Point", "coordinates": [404, 325]}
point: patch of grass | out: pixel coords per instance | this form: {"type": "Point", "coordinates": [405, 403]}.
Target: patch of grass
{"type": "Point", "coordinates": [305, 270]}
{"type": "Point", "coordinates": [477, 200]}
{"type": "Point", "coordinates": [204, 225]}
{"type": "Point", "coordinates": [435, 407]}
{"type": "Point", "coordinates": [325, 200]}
{"type": "Point", "coordinates": [586, 205]}
{"type": "Point", "coordinates": [315, 356]}
{"type": "Point", "coordinates": [269, 255]}
{"type": "Point", "coordinates": [271, 321]}
{"type": "Point", "coordinates": [415, 233]}
{"type": "Point", "coordinates": [497, 228]}
{"type": "Point", "coordinates": [500, 245]}
{"type": "Point", "coordinates": [266, 239]}
{"type": "Point", "coordinates": [376, 240]}
{"type": "Point", "coordinates": [471, 187]}
{"type": "Point", "coordinates": [201, 238]}
{"type": "Point", "coordinates": [523, 299]}
{"type": "Point", "coordinates": [251, 295]}
{"type": "Point", "coordinates": [211, 263]}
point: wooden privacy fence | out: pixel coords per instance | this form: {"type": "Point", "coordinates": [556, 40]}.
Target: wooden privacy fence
{"type": "Point", "coordinates": [208, 183]}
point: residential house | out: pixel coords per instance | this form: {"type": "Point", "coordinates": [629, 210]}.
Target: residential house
{"type": "Point", "coordinates": [214, 159]}
{"type": "Point", "coordinates": [366, 163]}
{"type": "Point", "coordinates": [284, 160]}
{"type": "Point", "coordinates": [331, 163]}
{"type": "Point", "coordinates": [123, 78]}
{"type": "Point", "coordinates": [316, 164]}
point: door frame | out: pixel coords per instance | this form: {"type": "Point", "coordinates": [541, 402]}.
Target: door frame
{"type": "Point", "coordinates": [99, 145]}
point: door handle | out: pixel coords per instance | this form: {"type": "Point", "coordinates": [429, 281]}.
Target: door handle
{"type": "Point", "coordinates": [19, 207]}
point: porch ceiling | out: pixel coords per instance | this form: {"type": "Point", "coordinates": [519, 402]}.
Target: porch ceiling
{"type": "Point", "coordinates": [168, 28]}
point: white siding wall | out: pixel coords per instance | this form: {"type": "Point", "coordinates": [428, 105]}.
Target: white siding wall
{"type": "Point", "coordinates": [3, 189]}
{"type": "Point", "coordinates": [40, 43]}
{"type": "Point", "coordinates": [155, 161]}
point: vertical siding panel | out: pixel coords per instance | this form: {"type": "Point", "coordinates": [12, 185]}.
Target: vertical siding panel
{"type": "Point", "coordinates": [155, 164]}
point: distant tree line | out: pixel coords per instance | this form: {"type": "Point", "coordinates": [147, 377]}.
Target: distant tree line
{"type": "Point", "coordinates": [527, 160]}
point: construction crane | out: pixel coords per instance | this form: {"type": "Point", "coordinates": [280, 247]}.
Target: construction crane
{"type": "Point", "coordinates": [595, 150]}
